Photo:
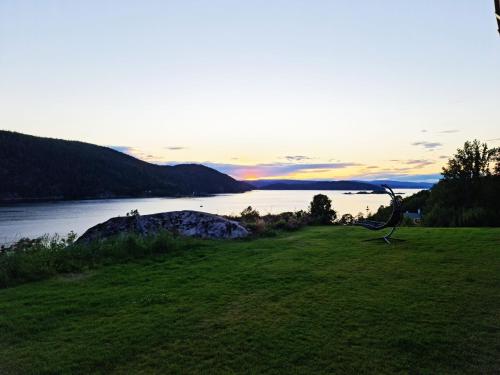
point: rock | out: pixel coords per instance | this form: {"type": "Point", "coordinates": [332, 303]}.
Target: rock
{"type": "Point", "coordinates": [186, 223]}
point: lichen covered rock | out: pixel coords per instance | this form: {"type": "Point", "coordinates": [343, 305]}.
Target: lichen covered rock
{"type": "Point", "coordinates": [185, 223]}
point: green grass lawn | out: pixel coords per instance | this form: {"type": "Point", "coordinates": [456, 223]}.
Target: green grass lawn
{"type": "Point", "coordinates": [319, 300]}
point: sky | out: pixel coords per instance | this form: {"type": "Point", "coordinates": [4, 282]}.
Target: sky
{"type": "Point", "coordinates": [257, 89]}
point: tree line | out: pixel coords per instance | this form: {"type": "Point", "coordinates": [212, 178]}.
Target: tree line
{"type": "Point", "coordinates": [468, 194]}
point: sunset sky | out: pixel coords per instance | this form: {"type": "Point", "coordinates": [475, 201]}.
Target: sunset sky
{"type": "Point", "coordinates": [257, 89]}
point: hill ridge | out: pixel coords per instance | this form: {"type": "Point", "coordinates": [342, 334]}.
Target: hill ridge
{"type": "Point", "coordinates": [40, 168]}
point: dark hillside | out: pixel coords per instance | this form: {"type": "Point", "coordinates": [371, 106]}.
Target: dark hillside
{"type": "Point", "coordinates": [45, 168]}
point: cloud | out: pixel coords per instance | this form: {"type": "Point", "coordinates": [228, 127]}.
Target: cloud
{"type": "Point", "coordinates": [493, 139]}
{"type": "Point", "coordinates": [288, 170]}
{"type": "Point", "coordinates": [388, 175]}
{"type": "Point", "coordinates": [310, 171]}
{"type": "Point", "coordinates": [136, 153]}
{"type": "Point", "coordinates": [450, 131]}
{"type": "Point", "coordinates": [419, 163]}
{"type": "Point", "coordinates": [428, 145]}
{"type": "Point", "coordinates": [423, 131]}
{"type": "Point", "coordinates": [123, 149]}
{"type": "Point", "coordinates": [443, 157]}
{"type": "Point", "coordinates": [297, 157]}
{"type": "Point", "coordinates": [175, 148]}
{"type": "Point", "coordinates": [269, 170]}
{"type": "Point", "coordinates": [414, 163]}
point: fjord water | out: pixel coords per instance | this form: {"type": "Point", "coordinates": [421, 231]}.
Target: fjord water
{"type": "Point", "coordinates": [35, 219]}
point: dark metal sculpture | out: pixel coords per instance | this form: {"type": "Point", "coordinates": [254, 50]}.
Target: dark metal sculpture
{"type": "Point", "coordinates": [394, 220]}
{"type": "Point", "coordinates": [497, 13]}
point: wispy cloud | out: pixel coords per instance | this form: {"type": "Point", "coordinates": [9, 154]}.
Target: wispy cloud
{"type": "Point", "coordinates": [413, 163]}
{"type": "Point", "coordinates": [124, 149]}
{"type": "Point", "coordinates": [269, 170]}
{"type": "Point", "coordinates": [297, 158]}
{"type": "Point", "coordinates": [449, 131]}
{"type": "Point", "coordinates": [400, 176]}
{"type": "Point", "coordinates": [419, 163]}
{"type": "Point", "coordinates": [136, 153]}
{"type": "Point", "coordinates": [431, 177]}
{"type": "Point", "coordinates": [175, 148]}
{"type": "Point", "coordinates": [428, 145]}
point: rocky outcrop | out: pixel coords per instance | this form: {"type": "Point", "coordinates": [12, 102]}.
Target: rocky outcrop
{"type": "Point", "coordinates": [185, 223]}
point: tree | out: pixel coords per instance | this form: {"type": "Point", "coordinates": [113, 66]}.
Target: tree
{"type": "Point", "coordinates": [321, 210]}
{"type": "Point", "coordinates": [471, 162]}
{"type": "Point", "coordinates": [346, 219]}
{"type": "Point", "coordinates": [468, 193]}
{"type": "Point", "coordinates": [496, 158]}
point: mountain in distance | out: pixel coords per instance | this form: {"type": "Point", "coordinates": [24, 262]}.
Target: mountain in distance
{"type": "Point", "coordinates": [403, 184]}
{"type": "Point", "coordinates": [335, 185]}
{"type": "Point", "coordinates": [315, 185]}
{"type": "Point", "coordinates": [37, 168]}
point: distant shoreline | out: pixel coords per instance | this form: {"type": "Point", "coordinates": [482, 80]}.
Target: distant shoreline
{"type": "Point", "coordinates": [60, 199]}
{"type": "Point", "coordinates": [8, 202]}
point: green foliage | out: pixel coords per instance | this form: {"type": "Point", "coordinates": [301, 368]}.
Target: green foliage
{"type": "Point", "coordinates": [346, 219]}
{"type": "Point", "coordinates": [496, 159]}
{"type": "Point", "coordinates": [269, 224]}
{"type": "Point", "coordinates": [468, 194]}
{"type": "Point", "coordinates": [455, 204]}
{"type": "Point", "coordinates": [412, 203]}
{"type": "Point", "coordinates": [317, 301]}
{"type": "Point", "coordinates": [249, 214]}
{"type": "Point", "coordinates": [30, 260]}
{"type": "Point", "coordinates": [407, 222]}
{"type": "Point", "coordinates": [321, 210]}
{"type": "Point", "coordinates": [471, 162]}
{"type": "Point", "coordinates": [288, 221]}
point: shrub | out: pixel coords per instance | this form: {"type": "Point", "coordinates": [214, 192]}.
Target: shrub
{"type": "Point", "coordinates": [249, 214]}
{"type": "Point", "coordinates": [321, 210]}
{"type": "Point", "coordinates": [268, 224]}
{"type": "Point", "coordinates": [408, 222]}
{"type": "Point", "coordinates": [346, 219]}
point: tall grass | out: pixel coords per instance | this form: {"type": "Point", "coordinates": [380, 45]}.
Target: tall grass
{"type": "Point", "coordinates": [31, 260]}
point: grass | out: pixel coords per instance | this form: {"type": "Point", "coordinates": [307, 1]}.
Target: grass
{"type": "Point", "coordinates": [33, 260]}
{"type": "Point", "coordinates": [319, 300]}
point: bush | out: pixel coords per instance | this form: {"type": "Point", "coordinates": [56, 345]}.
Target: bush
{"type": "Point", "coordinates": [321, 210]}
{"type": "Point", "coordinates": [268, 224]}
{"type": "Point", "coordinates": [249, 214]}
{"type": "Point", "coordinates": [408, 222]}
{"type": "Point", "coordinates": [346, 219]}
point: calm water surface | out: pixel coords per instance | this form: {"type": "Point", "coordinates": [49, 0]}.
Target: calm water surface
{"type": "Point", "coordinates": [35, 219]}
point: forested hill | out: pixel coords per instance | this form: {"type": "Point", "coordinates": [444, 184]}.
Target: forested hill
{"type": "Point", "coordinates": [45, 168]}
